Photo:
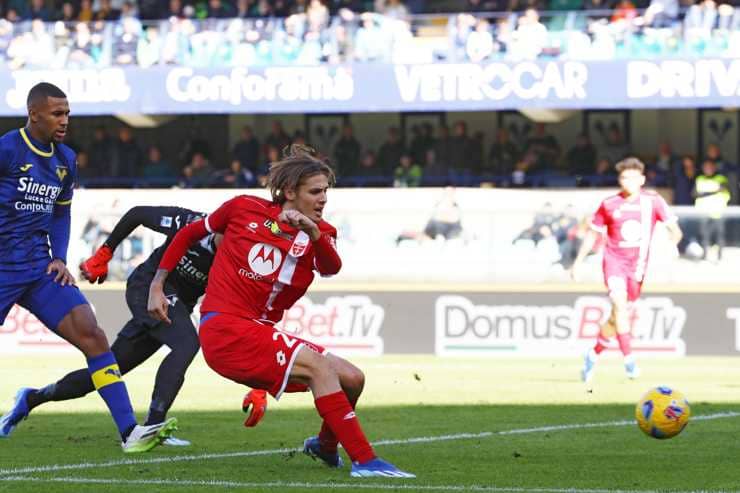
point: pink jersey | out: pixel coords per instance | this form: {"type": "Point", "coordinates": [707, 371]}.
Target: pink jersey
{"type": "Point", "coordinates": [629, 226]}
{"type": "Point", "coordinates": [261, 267]}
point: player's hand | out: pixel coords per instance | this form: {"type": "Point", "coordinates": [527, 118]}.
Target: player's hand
{"type": "Point", "coordinates": [63, 276]}
{"type": "Point", "coordinates": [158, 304]}
{"type": "Point", "coordinates": [96, 267]}
{"type": "Point", "coordinates": [255, 403]}
{"type": "Point", "coordinates": [299, 221]}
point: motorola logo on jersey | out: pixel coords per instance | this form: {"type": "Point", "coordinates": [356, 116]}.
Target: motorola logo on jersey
{"type": "Point", "coordinates": [264, 259]}
{"type": "Point", "coordinates": [631, 231]}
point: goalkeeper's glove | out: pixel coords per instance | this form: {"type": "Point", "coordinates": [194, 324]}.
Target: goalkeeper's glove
{"type": "Point", "coordinates": [255, 403]}
{"type": "Point", "coordinates": [96, 267]}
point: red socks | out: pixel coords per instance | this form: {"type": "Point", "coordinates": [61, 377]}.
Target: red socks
{"type": "Point", "coordinates": [625, 343]}
{"type": "Point", "coordinates": [601, 343]}
{"type": "Point", "coordinates": [341, 424]}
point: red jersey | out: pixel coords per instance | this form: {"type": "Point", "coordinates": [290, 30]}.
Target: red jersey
{"type": "Point", "coordinates": [262, 267]}
{"type": "Point", "coordinates": [629, 226]}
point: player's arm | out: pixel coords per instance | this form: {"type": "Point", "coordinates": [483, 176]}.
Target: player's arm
{"type": "Point", "coordinates": [59, 232]}
{"type": "Point", "coordinates": [159, 219]}
{"type": "Point", "coordinates": [667, 216]}
{"type": "Point", "coordinates": [327, 259]}
{"type": "Point", "coordinates": [587, 246]}
{"type": "Point", "coordinates": [184, 239]}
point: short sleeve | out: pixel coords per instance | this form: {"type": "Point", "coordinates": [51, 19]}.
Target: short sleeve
{"type": "Point", "coordinates": [599, 219]}
{"type": "Point", "coordinates": [217, 221]}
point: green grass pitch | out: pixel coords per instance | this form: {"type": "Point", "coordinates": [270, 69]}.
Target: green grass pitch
{"type": "Point", "coordinates": [485, 424]}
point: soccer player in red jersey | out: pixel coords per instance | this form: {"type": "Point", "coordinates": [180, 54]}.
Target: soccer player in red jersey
{"type": "Point", "coordinates": [628, 219]}
{"type": "Point", "coordinates": [265, 263]}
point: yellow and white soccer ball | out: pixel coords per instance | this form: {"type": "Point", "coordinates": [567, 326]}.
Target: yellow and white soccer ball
{"type": "Point", "coordinates": [663, 412]}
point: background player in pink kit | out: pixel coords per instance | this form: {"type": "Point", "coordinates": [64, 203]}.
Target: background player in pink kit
{"type": "Point", "coordinates": [628, 219]}
{"type": "Point", "coordinates": [265, 263]}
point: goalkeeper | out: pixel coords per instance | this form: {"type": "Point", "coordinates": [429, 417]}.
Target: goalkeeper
{"type": "Point", "coordinates": [142, 336]}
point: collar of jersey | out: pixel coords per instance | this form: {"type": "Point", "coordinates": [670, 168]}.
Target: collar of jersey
{"type": "Point", "coordinates": [35, 149]}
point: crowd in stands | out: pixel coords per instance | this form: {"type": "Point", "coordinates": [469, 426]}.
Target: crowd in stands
{"type": "Point", "coordinates": [225, 33]}
{"type": "Point", "coordinates": [427, 156]}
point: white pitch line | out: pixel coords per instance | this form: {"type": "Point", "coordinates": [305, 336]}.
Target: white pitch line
{"type": "Point", "coordinates": [337, 486]}
{"type": "Point", "coordinates": [402, 441]}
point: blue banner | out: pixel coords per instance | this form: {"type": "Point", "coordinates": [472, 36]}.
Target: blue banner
{"type": "Point", "coordinates": [385, 87]}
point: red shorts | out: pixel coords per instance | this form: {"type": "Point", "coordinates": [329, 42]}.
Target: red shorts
{"type": "Point", "coordinates": [252, 353]}
{"type": "Point", "coordinates": [619, 279]}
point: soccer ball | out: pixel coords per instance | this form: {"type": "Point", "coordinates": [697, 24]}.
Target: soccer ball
{"type": "Point", "coordinates": [662, 412]}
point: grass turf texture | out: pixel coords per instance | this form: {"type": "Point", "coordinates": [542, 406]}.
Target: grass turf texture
{"type": "Point", "coordinates": [406, 397]}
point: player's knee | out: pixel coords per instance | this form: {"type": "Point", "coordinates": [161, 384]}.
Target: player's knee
{"type": "Point", "coordinates": [321, 368]}
{"type": "Point", "coordinates": [91, 340]}
{"type": "Point", "coordinates": [353, 379]}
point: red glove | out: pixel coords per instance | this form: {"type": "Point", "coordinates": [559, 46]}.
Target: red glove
{"type": "Point", "coordinates": [96, 267]}
{"type": "Point", "coordinates": [257, 399]}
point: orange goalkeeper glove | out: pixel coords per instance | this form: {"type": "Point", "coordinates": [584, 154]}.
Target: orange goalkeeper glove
{"type": "Point", "coordinates": [255, 403]}
{"type": "Point", "coordinates": [96, 267]}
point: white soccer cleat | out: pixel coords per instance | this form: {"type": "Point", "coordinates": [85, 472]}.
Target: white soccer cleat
{"type": "Point", "coordinates": [176, 442]}
{"type": "Point", "coordinates": [145, 438]}
{"type": "Point", "coordinates": [632, 370]}
{"type": "Point", "coordinates": [589, 366]}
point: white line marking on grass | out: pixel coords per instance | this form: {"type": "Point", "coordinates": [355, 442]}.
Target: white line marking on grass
{"type": "Point", "coordinates": [401, 441]}
{"type": "Point", "coordinates": [336, 486]}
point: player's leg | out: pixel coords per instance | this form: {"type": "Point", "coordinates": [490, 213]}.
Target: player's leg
{"type": "Point", "coordinates": [608, 329]}
{"type": "Point", "coordinates": [322, 377]}
{"type": "Point", "coordinates": [352, 381]}
{"type": "Point", "coordinates": [182, 339]}
{"type": "Point", "coordinates": [72, 318]}
{"type": "Point", "coordinates": [129, 354]}
{"type": "Point", "coordinates": [623, 307]}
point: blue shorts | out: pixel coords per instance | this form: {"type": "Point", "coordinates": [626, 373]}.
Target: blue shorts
{"type": "Point", "coordinates": [49, 301]}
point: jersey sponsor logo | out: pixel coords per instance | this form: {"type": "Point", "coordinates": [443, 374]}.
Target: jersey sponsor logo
{"type": "Point", "coordinates": [26, 167]}
{"type": "Point", "coordinates": [62, 172]}
{"type": "Point", "coordinates": [264, 259]}
{"type": "Point", "coordinates": [250, 275]}
{"type": "Point", "coordinates": [464, 328]}
{"type": "Point", "coordinates": [38, 197]}
{"type": "Point", "coordinates": [631, 233]}
{"type": "Point", "coordinates": [166, 222]}
{"type": "Point", "coordinates": [274, 228]}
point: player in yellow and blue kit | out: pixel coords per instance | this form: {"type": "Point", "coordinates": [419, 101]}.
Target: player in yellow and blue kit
{"type": "Point", "coordinates": [37, 176]}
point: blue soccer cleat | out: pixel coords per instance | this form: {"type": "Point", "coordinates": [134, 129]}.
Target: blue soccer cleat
{"type": "Point", "coordinates": [378, 468]}
{"type": "Point", "coordinates": [17, 413]}
{"type": "Point", "coordinates": [312, 448]}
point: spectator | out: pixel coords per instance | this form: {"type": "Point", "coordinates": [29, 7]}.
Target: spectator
{"type": "Point", "coordinates": [435, 172]}
{"type": "Point", "coordinates": [389, 154]}
{"type": "Point", "coordinates": [661, 13]}
{"type": "Point", "coordinates": [277, 137]}
{"type": "Point", "coordinates": [368, 166]}
{"type": "Point", "coordinates": [530, 37]}
{"type": "Point", "coordinates": [101, 151]}
{"type": "Point", "coordinates": [665, 162]}
{"type": "Point", "coordinates": [503, 154]}
{"type": "Point", "coordinates": [67, 13]}
{"type": "Point", "coordinates": [85, 171]}
{"type": "Point", "coordinates": [479, 45]}
{"type": "Point", "coordinates": [461, 148]}
{"type": "Point", "coordinates": [198, 173]}
{"type": "Point", "coordinates": [220, 9]}
{"type": "Point", "coordinates": [684, 180]}
{"type": "Point", "coordinates": [236, 176]}
{"type": "Point", "coordinates": [712, 196]}
{"type": "Point", "coordinates": [106, 12]}
{"type": "Point", "coordinates": [394, 9]}
{"type": "Point", "coordinates": [543, 148]}
{"type": "Point", "coordinates": [443, 147]}
{"type": "Point", "coordinates": [247, 149]}
{"type": "Point", "coordinates": [407, 174]}
{"type": "Point", "coordinates": [580, 158]}
{"type": "Point", "coordinates": [38, 10]}
{"type": "Point", "coordinates": [155, 166]}
{"type": "Point", "coordinates": [603, 175]}
{"type": "Point", "coordinates": [85, 13]}
{"type": "Point", "coordinates": [127, 156]}
{"type": "Point", "coordinates": [714, 153]}
{"type": "Point", "coordinates": [616, 147]}
{"type": "Point", "coordinates": [347, 152]}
